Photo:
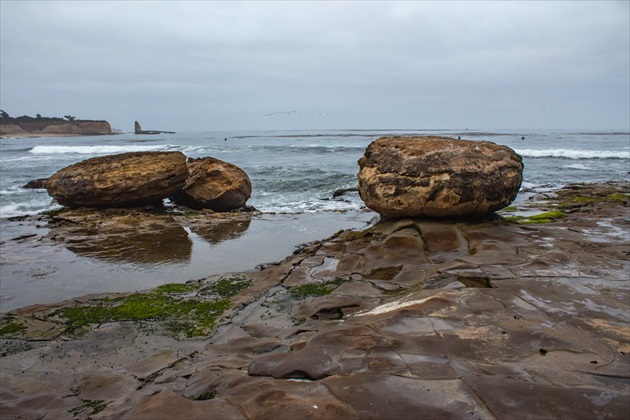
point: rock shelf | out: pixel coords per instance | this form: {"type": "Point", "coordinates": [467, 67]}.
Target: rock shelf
{"type": "Point", "coordinates": [502, 317]}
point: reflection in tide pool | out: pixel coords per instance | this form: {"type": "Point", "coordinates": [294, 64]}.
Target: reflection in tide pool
{"type": "Point", "coordinates": [88, 253]}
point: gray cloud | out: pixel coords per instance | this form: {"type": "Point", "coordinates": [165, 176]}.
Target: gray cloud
{"type": "Point", "coordinates": [224, 65]}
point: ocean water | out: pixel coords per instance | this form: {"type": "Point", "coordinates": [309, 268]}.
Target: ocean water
{"type": "Point", "coordinates": [298, 171]}
{"type": "Point", "coordinates": [294, 175]}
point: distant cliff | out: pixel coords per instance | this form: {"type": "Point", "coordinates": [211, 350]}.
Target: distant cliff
{"type": "Point", "coordinates": [26, 126]}
{"type": "Point", "coordinates": [80, 127]}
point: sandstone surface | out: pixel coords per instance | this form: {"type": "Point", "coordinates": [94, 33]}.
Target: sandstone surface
{"type": "Point", "coordinates": [11, 130]}
{"type": "Point", "coordinates": [504, 318]}
{"type": "Point", "coordinates": [438, 177]}
{"type": "Point", "coordinates": [214, 184]}
{"type": "Point", "coordinates": [128, 179]}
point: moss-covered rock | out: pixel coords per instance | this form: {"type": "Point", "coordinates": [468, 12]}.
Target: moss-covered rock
{"type": "Point", "coordinates": [315, 289]}
{"type": "Point", "coordinates": [186, 310]}
{"type": "Point", "coordinates": [11, 327]}
{"type": "Point", "coordinates": [546, 217]}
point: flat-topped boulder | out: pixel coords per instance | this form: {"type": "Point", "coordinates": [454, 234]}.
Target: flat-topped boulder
{"type": "Point", "coordinates": [123, 180]}
{"type": "Point", "coordinates": [214, 184]}
{"type": "Point", "coordinates": [438, 177]}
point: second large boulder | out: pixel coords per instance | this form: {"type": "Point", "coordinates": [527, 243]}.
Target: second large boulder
{"type": "Point", "coordinates": [214, 184]}
{"type": "Point", "coordinates": [438, 177]}
{"type": "Point", "coordinates": [123, 180]}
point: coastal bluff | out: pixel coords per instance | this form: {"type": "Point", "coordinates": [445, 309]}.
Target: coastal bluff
{"type": "Point", "coordinates": [54, 127]}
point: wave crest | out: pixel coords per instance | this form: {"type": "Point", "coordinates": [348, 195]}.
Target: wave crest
{"type": "Point", "coordinates": [574, 154]}
{"type": "Point", "coordinates": [94, 150]}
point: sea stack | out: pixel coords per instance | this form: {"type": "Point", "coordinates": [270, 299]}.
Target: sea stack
{"type": "Point", "coordinates": [438, 177]}
{"type": "Point", "coordinates": [138, 130]}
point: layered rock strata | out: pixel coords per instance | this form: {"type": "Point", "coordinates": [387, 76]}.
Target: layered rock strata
{"type": "Point", "coordinates": [214, 184]}
{"type": "Point", "coordinates": [83, 128]}
{"type": "Point", "coordinates": [128, 179]}
{"type": "Point", "coordinates": [46, 127]}
{"type": "Point", "coordinates": [406, 319]}
{"type": "Point", "coordinates": [11, 130]}
{"type": "Point", "coordinates": [438, 177]}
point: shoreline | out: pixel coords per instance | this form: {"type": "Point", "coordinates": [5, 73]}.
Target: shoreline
{"type": "Point", "coordinates": [434, 317]}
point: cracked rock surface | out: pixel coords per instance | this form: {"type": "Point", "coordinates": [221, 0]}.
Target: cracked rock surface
{"type": "Point", "coordinates": [438, 177]}
{"type": "Point", "coordinates": [409, 318]}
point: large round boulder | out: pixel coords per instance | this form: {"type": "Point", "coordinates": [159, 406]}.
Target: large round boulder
{"type": "Point", "coordinates": [124, 180]}
{"type": "Point", "coordinates": [214, 184]}
{"type": "Point", "coordinates": [438, 177]}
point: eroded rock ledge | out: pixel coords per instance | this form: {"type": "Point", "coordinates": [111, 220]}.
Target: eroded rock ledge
{"type": "Point", "coordinates": [521, 318]}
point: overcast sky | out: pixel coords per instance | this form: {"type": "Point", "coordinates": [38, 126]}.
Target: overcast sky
{"type": "Point", "coordinates": [319, 65]}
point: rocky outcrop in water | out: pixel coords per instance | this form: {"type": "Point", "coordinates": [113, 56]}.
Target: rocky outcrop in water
{"type": "Point", "coordinates": [214, 184]}
{"type": "Point", "coordinates": [438, 177]}
{"type": "Point", "coordinates": [36, 184]}
{"type": "Point", "coordinates": [138, 130]}
{"type": "Point", "coordinates": [128, 179]}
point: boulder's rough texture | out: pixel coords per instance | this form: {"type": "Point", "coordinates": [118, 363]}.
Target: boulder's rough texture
{"type": "Point", "coordinates": [36, 184]}
{"type": "Point", "coordinates": [407, 319]}
{"type": "Point", "coordinates": [124, 180]}
{"type": "Point", "coordinates": [438, 177]}
{"type": "Point", "coordinates": [214, 184]}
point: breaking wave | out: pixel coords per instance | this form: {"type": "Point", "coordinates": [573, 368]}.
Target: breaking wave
{"type": "Point", "coordinates": [574, 154]}
{"type": "Point", "coordinates": [94, 150]}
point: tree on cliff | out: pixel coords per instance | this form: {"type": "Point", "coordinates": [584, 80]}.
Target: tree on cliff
{"type": "Point", "coordinates": [4, 115]}
{"type": "Point", "coordinates": [69, 117]}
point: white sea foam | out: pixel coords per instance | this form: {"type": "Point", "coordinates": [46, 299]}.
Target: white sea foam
{"type": "Point", "coordinates": [95, 150]}
{"type": "Point", "coordinates": [574, 154]}
{"type": "Point", "coordinates": [578, 166]}
{"type": "Point", "coordinates": [527, 185]}
{"type": "Point", "coordinates": [13, 189]}
{"type": "Point", "coordinates": [33, 206]}
{"type": "Point", "coordinates": [306, 206]}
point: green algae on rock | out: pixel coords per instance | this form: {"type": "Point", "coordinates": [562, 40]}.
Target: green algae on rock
{"type": "Point", "coordinates": [188, 309]}
{"type": "Point", "coordinates": [546, 217]}
{"type": "Point", "coordinates": [95, 406]}
{"type": "Point", "coordinates": [11, 327]}
{"type": "Point", "coordinates": [315, 289]}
